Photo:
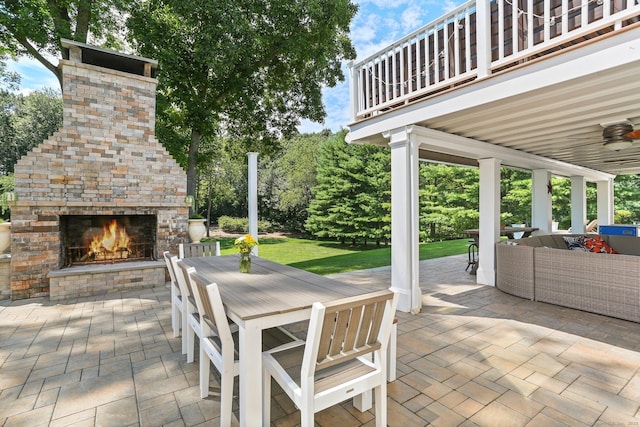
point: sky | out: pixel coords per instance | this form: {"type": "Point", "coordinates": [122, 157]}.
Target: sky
{"type": "Point", "coordinates": [377, 24]}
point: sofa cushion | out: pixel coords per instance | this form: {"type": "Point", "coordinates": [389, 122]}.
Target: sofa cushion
{"type": "Point", "coordinates": [575, 244]}
{"type": "Point", "coordinates": [548, 241]}
{"type": "Point", "coordinates": [627, 245]}
{"type": "Point", "coordinates": [596, 244]}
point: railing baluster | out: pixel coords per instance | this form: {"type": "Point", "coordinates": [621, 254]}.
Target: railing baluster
{"type": "Point", "coordinates": [409, 81]}
{"type": "Point", "coordinates": [467, 41]}
{"type": "Point", "coordinates": [500, 4]}
{"type": "Point", "coordinates": [547, 21]}
{"type": "Point", "coordinates": [515, 37]}
{"type": "Point", "coordinates": [389, 85]}
{"type": "Point", "coordinates": [456, 47]}
{"type": "Point", "coordinates": [445, 50]}
{"type": "Point", "coordinates": [530, 41]}
{"type": "Point", "coordinates": [418, 65]}
{"type": "Point", "coordinates": [436, 56]}
{"type": "Point", "coordinates": [395, 74]}
{"type": "Point", "coordinates": [606, 9]}
{"type": "Point", "coordinates": [403, 76]}
{"type": "Point", "coordinates": [565, 17]}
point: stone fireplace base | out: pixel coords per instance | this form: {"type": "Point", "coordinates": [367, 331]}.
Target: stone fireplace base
{"type": "Point", "coordinates": [91, 280]}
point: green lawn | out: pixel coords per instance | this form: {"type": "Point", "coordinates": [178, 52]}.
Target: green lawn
{"type": "Point", "coordinates": [329, 257]}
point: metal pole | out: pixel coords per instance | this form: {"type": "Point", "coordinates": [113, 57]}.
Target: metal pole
{"type": "Point", "coordinates": [253, 198]}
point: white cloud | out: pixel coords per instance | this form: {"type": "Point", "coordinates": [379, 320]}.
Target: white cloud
{"type": "Point", "coordinates": [33, 75]}
{"type": "Point", "coordinates": [412, 18]}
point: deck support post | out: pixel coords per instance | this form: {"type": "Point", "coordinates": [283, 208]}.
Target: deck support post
{"type": "Point", "coordinates": [578, 204]}
{"type": "Point", "coordinates": [541, 213]}
{"type": "Point", "coordinates": [489, 219]}
{"type": "Point", "coordinates": [404, 219]}
{"type": "Point", "coordinates": [605, 202]}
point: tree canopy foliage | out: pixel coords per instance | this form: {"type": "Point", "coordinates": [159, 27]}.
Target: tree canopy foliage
{"type": "Point", "coordinates": [35, 27]}
{"type": "Point", "coordinates": [243, 70]}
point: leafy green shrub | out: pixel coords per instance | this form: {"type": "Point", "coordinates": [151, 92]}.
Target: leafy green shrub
{"type": "Point", "coordinates": [230, 224]}
{"type": "Point", "coordinates": [623, 216]}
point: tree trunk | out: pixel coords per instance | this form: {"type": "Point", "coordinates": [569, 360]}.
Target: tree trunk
{"type": "Point", "coordinates": [191, 167]}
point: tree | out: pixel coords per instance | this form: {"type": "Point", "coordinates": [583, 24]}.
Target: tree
{"type": "Point", "coordinates": [448, 200]}
{"type": "Point", "coordinates": [626, 196]}
{"type": "Point", "coordinates": [286, 180]}
{"type": "Point", "coordinates": [351, 200]}
{"type": "Point", "coordinates": [515, 199]}
{"type": "Point", "coordinates": [35, 27]}
{"type": "Point", "coordinates": [9, 80]}
{"type": "Point", "coordinates": [240, 69]}
{"type": "Point", "coordinates": [26, 121]}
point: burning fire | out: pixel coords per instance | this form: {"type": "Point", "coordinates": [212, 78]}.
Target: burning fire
{"type": "Point", "coordinates": [114, 242]}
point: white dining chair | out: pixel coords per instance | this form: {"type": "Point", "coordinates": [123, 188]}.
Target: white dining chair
{"type": "Point", "coordinates": [176, 299]}
{"type": "Point", "coordinates": [343, 357]}
{"type": "Point", "coordinates": [190, 317]}
{"type": "Point", "coordinates": [219, 341]}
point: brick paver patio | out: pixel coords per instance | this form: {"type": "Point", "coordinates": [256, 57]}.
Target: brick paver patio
{"type": "Point", "coordinates": [473, 357]}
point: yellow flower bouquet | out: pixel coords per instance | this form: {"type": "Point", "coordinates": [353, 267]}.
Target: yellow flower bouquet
{"type": "Point", "coordinates": [245, 244]}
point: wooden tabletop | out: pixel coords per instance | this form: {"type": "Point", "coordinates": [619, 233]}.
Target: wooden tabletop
{"type": "Point", "coordinates": [270, 288]}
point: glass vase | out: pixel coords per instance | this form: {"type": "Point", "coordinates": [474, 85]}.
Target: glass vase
{"type": "Point", "coordinates": [245, 264]}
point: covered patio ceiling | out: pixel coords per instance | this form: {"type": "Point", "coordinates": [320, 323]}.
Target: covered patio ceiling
{"type": "Point", "coordinates": [553, 108]}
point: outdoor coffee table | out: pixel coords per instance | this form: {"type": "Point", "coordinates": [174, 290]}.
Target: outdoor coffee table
{"type": "Point", "coordinates": [271, 295]}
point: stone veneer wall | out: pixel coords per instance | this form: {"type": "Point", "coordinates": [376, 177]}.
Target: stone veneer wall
{"type": "Point", "coordinates": [104, 161]}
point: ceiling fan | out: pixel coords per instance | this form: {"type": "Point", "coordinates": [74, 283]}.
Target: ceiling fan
{"type": "Point", "coordinates": [619, 136]}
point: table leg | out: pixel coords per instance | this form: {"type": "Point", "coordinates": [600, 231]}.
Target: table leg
{"type": "Point", "coordinates": [250, 375]}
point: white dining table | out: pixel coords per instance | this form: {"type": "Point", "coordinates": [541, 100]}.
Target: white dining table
{"type": "Point", "coordinates": [271, 295]}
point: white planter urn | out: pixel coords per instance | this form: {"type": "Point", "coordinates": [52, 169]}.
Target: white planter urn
{"type": "Point", "coordinates": [5, 236]}
{"type": "Point", "coordinates": [196, 230]}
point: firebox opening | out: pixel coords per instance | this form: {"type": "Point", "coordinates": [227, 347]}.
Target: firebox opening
{"type": "Point", "coordinates": [99, 239]}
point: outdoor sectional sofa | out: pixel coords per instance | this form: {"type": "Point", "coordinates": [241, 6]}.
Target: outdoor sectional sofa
{"type": "Point", "coordinates": [542, 268]}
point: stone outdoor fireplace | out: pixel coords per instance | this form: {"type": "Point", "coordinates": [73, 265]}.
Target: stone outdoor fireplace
{"type": "Point", "coordinates": [101, 199]}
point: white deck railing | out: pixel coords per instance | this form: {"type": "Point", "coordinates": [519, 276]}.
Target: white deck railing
{"type": "Point", "coordinates": [475, 40]}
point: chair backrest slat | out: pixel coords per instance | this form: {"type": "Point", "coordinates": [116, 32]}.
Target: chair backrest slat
{"type": "Point", "coordinates": [350, 339]}
{"type": "Point", "coordinates": [366, 319]}
{"type": "Point", "coordinates": [351, 328]}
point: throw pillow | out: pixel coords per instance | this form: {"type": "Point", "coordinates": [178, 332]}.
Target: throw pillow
{"type": "Point", "coordinates": [575, 244]}
{"type": "Point", "coordinates": [597, 245]}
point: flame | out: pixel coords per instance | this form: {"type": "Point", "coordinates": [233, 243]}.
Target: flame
{"type": "Point", "coordinates": [114, 239]}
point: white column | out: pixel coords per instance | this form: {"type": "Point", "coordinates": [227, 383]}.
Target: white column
{"type": "Point", "coordinates": [253, 197]}
{"type": "Point", "coordinates": [541, 200]}
{"type": "Point", "coordinates": [578, 204]}
{"type": "Point", "coordinates": [483, 36]}
{"type": "Point", "coordinates": [605, 202]}
{"type": "Point", "coordinates": [489, 220]}
{"type": "Point", "coordinates": [404, 219]}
